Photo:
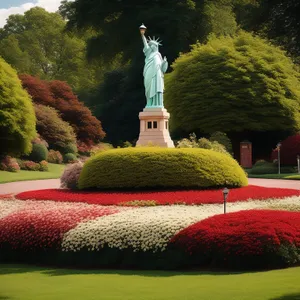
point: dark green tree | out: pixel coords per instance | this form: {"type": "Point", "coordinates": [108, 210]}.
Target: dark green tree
{"type": "Point", "coordinates": [17, 118]}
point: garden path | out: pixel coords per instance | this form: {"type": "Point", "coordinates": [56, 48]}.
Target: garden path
{"type": "Point", "coordinates": [22, 186]}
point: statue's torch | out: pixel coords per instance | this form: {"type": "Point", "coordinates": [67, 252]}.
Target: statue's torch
{"type": "Point", "coordinates": [143, 29]}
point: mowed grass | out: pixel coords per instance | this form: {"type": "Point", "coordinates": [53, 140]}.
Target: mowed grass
{"type": "Point", "coordinates": [35, 283]}
{"type": "Point", "coordinates": [55, 171]}
{"type": "Point", "coordinates": [291, 176]}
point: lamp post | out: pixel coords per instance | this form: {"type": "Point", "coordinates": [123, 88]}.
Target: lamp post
{"type": "Point", "coordinates": [298, 163]}
{"type": "Point", "coordinates": [278, 152]}
{"type": "Point", "coordinates": [143, 29]}
{"type": "Point", "coordinates": [225, 195]}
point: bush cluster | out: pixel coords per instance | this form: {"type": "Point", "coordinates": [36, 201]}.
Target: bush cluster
{"type": "Point", "coordinates": [161, 168]}
{"type": "Point", "coordinates": [29, 165]}
{"type": "Point", "coordinates": [9, 164]}
{"type": "Point", "coordinates": [55, 157]}
{"type": "Point", "coordinates": [264, 167]}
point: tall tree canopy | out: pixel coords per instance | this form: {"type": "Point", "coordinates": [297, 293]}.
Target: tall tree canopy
{"type": "Point", "coordinates": [17, 119]}
{"type": "Point", "coordinates": [237, 84]}
{"type": "Point", "coordinates": [60, 96]}
{"type": "Point", "coordinates": [37, 43]}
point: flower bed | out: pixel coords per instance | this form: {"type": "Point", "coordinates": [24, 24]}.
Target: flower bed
{"type": "Point", "coordinates": [149, 237]}
{"type": "Point", "coordinates": [245, 239]}
{"type": "Point", "coordinates": [160, 198]}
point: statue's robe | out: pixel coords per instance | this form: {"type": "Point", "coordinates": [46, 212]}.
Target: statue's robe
{"type": "Point", "coordinates": [153, 77]}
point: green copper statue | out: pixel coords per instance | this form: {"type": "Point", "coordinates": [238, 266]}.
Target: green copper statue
{"type": "Point", "coordinates": [154, 70]}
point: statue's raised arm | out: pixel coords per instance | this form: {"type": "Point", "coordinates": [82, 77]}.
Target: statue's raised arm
{"type": "Point", "coordinates": [154, 70]}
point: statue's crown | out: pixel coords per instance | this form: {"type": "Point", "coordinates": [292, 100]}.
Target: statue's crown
{"type": "Point", "coordinates": [153, 41]}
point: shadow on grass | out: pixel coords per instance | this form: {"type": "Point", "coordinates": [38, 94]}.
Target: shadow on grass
{"type": "Point", "coordinates": [288, 297]}
{"type": "Point", "coordinates": [52, 271]}
{"type": "Point", "coordinates": [4, 297]}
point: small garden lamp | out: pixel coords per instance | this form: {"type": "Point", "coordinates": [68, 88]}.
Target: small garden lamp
{"type": "Point", "coordinates": [143, 29]}
{"type": "Point", "coordinates": [298, 163]}
{"type": "Point", "coordinates": [225, 195]}
{"type": "Point", "coordinates": [278, 152]}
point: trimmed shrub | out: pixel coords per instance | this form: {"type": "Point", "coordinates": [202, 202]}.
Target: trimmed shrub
{"type": "Point", "coordinates": [55, 157]}
{"type": "Point", "coordinates": [39, 152]}
{"type": "Point", "coordinates": [70, 148]}
{"type": "Point", "coordinates": [70, 177]}
{"type": "Point", "coordinates": [243, 240]}
{"type": "Point", "coordinates": [17, 119]}
{"type": "Point", "coordinates": [9, 164]}
{"type": "Point", "coordinates": [44, 166]}
{"type": "Point", "coordinates": [161, 168]}
{"type": "Point", "coordinates": [69, 157]}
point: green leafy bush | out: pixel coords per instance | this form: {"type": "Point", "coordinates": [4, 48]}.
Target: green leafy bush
{"type": "Point", "coordinates": [193, 142]}
{"type": "Point", "coordinates": [39, 152]}
{"type": "Point", "coordinates": [161, 168]}
{"type": "Point", "coordinates": [263, 167]}
{"type": "Point", "coordinates": [69, 157]}
{"type": "Point", "coordinates": [70, 148]}
{"type": "Point", "coordinates": [223, 139]}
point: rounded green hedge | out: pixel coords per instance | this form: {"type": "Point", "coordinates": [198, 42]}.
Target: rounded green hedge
{"type": "Point", "coordinates": [39, 152]}
{"type": "Point", "coordinates": [161, 168]}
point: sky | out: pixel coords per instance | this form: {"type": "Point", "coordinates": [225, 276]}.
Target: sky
{"type": "Point", "coordinates": [8, 7]}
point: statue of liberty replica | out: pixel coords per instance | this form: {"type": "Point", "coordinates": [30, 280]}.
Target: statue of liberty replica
{"type": "Point", "coordinates": [154, 120]}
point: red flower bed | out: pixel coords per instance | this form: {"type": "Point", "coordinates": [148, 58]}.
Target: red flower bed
{"type": "Point", "coordinates": [161, 197]}
{"type": "Point", "coordinates": [235, 238]}
{"type": "Point", "coordinates": [42, 227]}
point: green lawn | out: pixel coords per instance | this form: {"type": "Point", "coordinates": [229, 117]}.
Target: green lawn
{"type": "Point", "coordinates": [291, 176]}
{"type": "Point", "coordinates": [55, 171]}
{"type": "Point", "coordinates": [34, 283]}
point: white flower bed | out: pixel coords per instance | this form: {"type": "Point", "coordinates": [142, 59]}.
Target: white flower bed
{"type": "Point", "coordinates": [149, 228]}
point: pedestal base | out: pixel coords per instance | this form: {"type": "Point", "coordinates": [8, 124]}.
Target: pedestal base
{"type": "Point", "coordinates": [154, 128]}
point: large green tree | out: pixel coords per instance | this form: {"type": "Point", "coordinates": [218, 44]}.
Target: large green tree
{"type": "Point", "coordinates": [17, 118]}
{"type": "Point", "coordinates": [38, 44]}
{"type": "Point", "coordinates": [235, 85]}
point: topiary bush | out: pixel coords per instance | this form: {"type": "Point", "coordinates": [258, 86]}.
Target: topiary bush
{"type": "Point", "coordinates": [69, 157]}
{"type": "Point", "coordinates": [39, 152]}
{"type": "Point", "coordinates": [153, 167]}
{"type": "Point", "coordinates": [70, 177]}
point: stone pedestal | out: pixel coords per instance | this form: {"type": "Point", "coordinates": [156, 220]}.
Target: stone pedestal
{"type": "Point", "coordinates": [154, 128]}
